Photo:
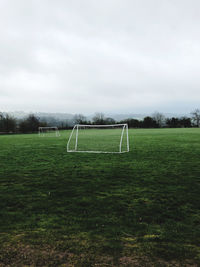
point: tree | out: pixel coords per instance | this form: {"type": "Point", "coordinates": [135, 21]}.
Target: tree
{"type": "Point", "coordinates": [159, 118]}
{"type": "Point", "coordinates": [109, 121]}
{"type": "Point", "coordinates": [8, 124]}
{"type": "Point", "coordinates": [173, 122]}
{"type": "Point", "coordinates": [80, 119]}
{"type": "Point", "coordinates": [99, 118]}
{"type": "Point", "coordinates": [132, 123]}
{"type": "Point", "coordinates": [1, 122]}
{"type": "Point", "coordinates": [185, 122]}
{"type": "Point", "coordinates": [149, 122]}
{"type": "Point", "coordinates": [30, 124]}
{"type": "Point", "coordinates": [196, 117]}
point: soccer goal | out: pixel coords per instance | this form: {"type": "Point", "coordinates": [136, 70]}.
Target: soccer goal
{"type": "Point", "coordinates": [99, 138]}
{"type": "Point", "coordinates": [48, 132]}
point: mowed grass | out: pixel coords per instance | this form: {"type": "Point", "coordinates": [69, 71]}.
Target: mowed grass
{"type": "Point", "coordinates": [140, 208]}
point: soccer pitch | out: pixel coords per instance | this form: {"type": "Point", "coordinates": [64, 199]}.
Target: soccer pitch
{"type": "Point", "coordinates": [83, 209]}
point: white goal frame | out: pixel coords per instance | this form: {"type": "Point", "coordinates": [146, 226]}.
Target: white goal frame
{"type": "Point", "coordinates": [42, 134]}
{"type": "Point", "coordinates": [77, 126]}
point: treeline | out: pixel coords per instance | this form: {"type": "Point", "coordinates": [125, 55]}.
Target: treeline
{"type": "Point", "coordinates": [30, 124]}
{"type": "Point", "coordinates": [157, 120]}
{"type": "Point", "coordinates": [149, 122]}
{"type": "Point", "coordinates": [9, 124]}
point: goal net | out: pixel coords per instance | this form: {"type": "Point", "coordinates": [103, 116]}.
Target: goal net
{"type": "Point", "coordinates": [99, 138]}
{"type": "Point", "coordinates": [48, 131]}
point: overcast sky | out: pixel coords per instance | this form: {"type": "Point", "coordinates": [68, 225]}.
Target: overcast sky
{"type": "Point", "coordinates": [86, 56]}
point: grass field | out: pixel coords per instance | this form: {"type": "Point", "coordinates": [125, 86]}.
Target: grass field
{"type": "Point", "coordinates": [140, 208]}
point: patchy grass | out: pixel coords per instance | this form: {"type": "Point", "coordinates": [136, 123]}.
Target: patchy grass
{"type": "Point", "coordinates": [77, 209]}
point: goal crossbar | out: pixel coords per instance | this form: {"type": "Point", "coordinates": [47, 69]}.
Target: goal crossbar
{"type": "Point", "coordinates": [99, 125]}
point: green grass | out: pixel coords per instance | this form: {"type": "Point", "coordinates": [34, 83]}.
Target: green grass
{"type": "Point", "coordinates": [82, 209]}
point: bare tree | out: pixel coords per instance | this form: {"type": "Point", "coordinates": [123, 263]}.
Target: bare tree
{"type": "Point", "coordinates": [109, 121]}
{"type": "Point", "coordinates": [196, 117]}
{"type": "Point", "coordinates": [7, 123]}
{"type": "Point", "coordinates": [1, 122]}
{"type": "Point", "coordinates": [79, 118]}
{"type": "Point", "coordinates": [159, 118]}
{"type": "Point", "coordinates": [99, 118]}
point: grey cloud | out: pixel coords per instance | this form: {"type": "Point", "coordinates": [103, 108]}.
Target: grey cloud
{"type": "Point", "coordinates": [83, 56]}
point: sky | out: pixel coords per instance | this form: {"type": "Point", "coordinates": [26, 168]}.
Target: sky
{"type": "Point", "coordinates": [112, 56]}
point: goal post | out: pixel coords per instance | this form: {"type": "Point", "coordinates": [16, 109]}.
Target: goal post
{"type": "Point", "coordinates": [48, 131]}
{"type": "Point", "coordinates": [99, 138]}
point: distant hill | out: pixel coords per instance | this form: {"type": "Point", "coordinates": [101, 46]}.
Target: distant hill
{"type": "Point", "coordinates": [59, 116]}
{"type": "Point", "coordinates": [119, 117]}
{"type": "Point", "coordinates": [68, 116]}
